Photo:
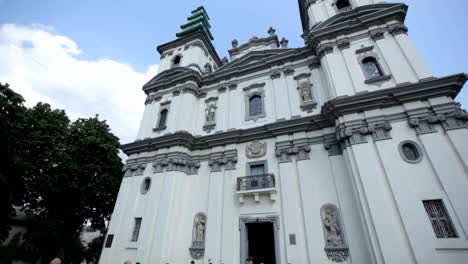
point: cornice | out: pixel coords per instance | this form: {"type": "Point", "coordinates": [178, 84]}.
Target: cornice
{"type": "Point", "coordinates": [191, 142]}
{"type": "Point", "coordinates": [424, 89]}
{"type": "Point", "coordinates": [331, 111]}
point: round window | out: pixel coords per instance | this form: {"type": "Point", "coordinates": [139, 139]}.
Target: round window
{"type": "Point", "coordinates": [145, 185]}
{"type": "Point", "coordinates": [410, 152]}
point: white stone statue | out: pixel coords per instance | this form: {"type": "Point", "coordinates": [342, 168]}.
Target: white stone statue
{"type": "Point", "coordinates": [330, 222]}
{"type": "Point", "coordinates": [200, 228]}
{"type": "Point", "coordinates": [304, 89]}
{"type": "Point", "coordinates": [210, 113]}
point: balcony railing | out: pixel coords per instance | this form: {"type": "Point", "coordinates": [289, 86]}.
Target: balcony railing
{"type": "Point", "coordinates": [255, 182]}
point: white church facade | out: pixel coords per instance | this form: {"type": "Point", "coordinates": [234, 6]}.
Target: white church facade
{"type": "Point", "coordinates": [346, 150]}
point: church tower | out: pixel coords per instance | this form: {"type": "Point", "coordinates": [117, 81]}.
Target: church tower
{"type": "Point", "coordinates": [193, 47]}
{"type": "Point", "coordinates": [346, 150]}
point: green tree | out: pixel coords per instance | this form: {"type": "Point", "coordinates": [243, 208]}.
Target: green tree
{"type": "Point", "coordinates": [12, 116]}
{"type": "Point", "coordinates": [64, 174]}
{"type": "Point", "coordinates": [73, 179]}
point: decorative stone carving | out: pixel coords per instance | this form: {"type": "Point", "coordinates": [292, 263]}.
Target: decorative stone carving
{"type": "Point", "coordinates": [224, 61]}
{"type": "Point", "coordinates": [256, 149]}
{"type": "Point", "coordinates": [343, 44]}
{"type": "Point", "coordinates": [197, 249]}
{"type": "Point", "coordinates": [333, 148]}
{"type": "Point", "coordinates": [153, 97]}
{"type": "Point", "coordinates": [397, 29]}
{"type": "Point", "coordinates": [377, 34]}
{"type": "Point", "coordinates": [176, 162]}
{"type": "Point", "coordinates": [324, 49]}
{"type": "Point", "coordinates": [335, 244]}
{"type": "Point", "coordinates": [288, 71]}
{"type": "Point", "coordinates": [284, 43]}
{"type": "Point", "coordinates": [356, 133]}
{"type": "Point", "coordinates": [271, 31]}
{"type": "Point", "coordinates": [235, 43]}
{"type": "Point", "coordinates": [218, 160]}
{"type": "Point", "coordinates": [450, 119]}
{"type": "Point", "coordinates": [285, 150]}
{"type": "Point", "coordinates": [183, 162]}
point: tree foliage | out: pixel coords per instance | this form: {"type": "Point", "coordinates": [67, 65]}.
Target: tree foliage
{"type": "Point", "coordinates": [70, 173]}
{"type": "Point", "coordinates": [12, 113]}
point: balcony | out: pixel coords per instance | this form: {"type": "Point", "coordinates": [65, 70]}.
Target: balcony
{"type": "Point", "coordinates": [255, 186]}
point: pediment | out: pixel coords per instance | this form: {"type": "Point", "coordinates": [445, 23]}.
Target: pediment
{"type": "Point", "coordinates": [359, 16]}
{"type": "Point", "coordinates": [252, 57]}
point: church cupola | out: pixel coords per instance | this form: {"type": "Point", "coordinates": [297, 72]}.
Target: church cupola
{"type": "Point", "coordinates": [193, 47]}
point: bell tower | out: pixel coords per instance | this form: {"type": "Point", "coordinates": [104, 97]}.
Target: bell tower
{"type": "Point", "coordinates": [192, 48]}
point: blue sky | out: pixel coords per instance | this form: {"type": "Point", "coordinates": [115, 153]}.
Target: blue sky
{"type": "Point", "coordinates": [125, 34]}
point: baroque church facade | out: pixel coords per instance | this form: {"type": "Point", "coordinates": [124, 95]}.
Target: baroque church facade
{"type": "Point", "coordinates": [345, 150]}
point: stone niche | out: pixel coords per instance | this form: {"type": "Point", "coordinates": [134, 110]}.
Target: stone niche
{"type": "Point", "coordinates": [336, 247]}
{"type": "Point", "coordinates": [197, 249]}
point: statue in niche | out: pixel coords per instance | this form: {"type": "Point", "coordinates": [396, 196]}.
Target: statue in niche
{"type": "Point", "coordinates": [199, 228]}
{"type": "Point", "coordinates": [210, 112]}
{"type": "Point", "coordinates": [330, 222]}
{"type": "Point", "coordinates": [304, 89]}
{"type": "Point", "coordinates": [197, 250]}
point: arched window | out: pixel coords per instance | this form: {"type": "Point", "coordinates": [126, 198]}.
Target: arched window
{"type": "Point", "coordinates": [343, 4]}
{"type": "Point", "coordinates": [255, 105]}
{"type": "Point", "coordinates": [162, 118]}
{"type": "Point", "coordinates": [371, 68]}
{"type": "Point", "coordinates": [176, 60]}
{"type": "Point", "coordinates": [145, 185]}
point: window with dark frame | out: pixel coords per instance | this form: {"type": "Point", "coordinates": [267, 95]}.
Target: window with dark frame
{"type": "Point", "coordinates": [176, 60]}
{"type": "Point", "coordinates": [136, 229]}
{"type": "Point", "coordinates": [162, 118]}
{"type": "Point", "coordinates": [371, 68]}
{"type": "Point", "coordinates": [109, 240]}
{"type": "Point", "coordinates": [257, 169]}
{"type": "Point", "coordinates": [410, 151]}
{"type": "Point", "coordinates": [255, 105]}
{"type": "Point", "coordinates": [342, 4]}
{"type": "Point", "coordinates": [146, 185]}
{"type": "Point", "coordinates": [439, 218]}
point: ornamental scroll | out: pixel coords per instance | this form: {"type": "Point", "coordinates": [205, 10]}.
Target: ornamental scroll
{"type": "Point", "coordinates": [197, 250]}
{"type": "Point", "coordinates": [336, 247]}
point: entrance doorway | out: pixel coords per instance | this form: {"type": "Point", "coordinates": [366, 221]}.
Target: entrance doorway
{"type": "Point", "coordinates": [261, 242]}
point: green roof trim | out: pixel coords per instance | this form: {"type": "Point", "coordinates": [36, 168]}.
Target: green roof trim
{"type": "Point", "coordinates": [199, 21]}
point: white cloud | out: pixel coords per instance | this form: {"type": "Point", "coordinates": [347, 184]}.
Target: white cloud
{"type": "Point", "coordinates": [43, 66]}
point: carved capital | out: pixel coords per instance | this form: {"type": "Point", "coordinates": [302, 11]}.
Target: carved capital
{"type": "Point", "coordinates": [398, 29]}
{"type": "Point", "coordinates": [343, 44]}
{"type": "Point", "coordinates": [377, 34]}
{"type": "Point", "coordinates": [227, 160]}
{"type": "Point", "coordinates": [450, 119]}
{"type": "Point", "coordinates": [324, 49]}
{"type": "Point", "coordinates": [333, 148]}
{"type": "Point", "coordinates": [299, 148]}
{"type": "Point", "coordinates": [356, 133]}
